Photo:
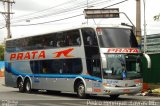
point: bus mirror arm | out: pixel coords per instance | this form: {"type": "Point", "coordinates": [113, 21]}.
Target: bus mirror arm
{"type": "Point", "coordinates": [148, 60]}
{"type": "Point", "coordinates": [104, 61]}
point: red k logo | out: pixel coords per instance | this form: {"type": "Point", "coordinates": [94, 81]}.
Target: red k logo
{"type": "Point", "coordinates": [65, 53]}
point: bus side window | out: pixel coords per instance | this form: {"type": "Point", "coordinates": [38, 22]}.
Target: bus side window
{"type": "Point", "coordinates": [36, 66]}
{"type": "Point", "coordinates": [89, 37]}
{"type": "Point", "coordinates": [89, 66]}
{"type": "Point", "coordinates": [52, 40]}
{"type": "Point", "coordinates": [76, 38]}
{"type": "Point", "coordinates": [72, 38]}
{"type": "Point", "coordinates": [72, 66]}
{"type": "Point", "coordinates": [60, 39]}
{"type": "Point", "coordinates": [96, 67]}
{"type": "Point", "coordinates": [62, 66]}
{"type": "Point", "coordinates": [68, 38]}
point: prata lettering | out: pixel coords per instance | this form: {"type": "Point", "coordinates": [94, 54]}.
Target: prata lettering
{"type": "Point", "coordinates": [123, 50]}
{"type": "Point", "coordinates": [28, 55]}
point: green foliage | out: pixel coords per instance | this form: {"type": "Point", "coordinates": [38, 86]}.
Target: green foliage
{"type": "Point", "coordinates": [1, 52]}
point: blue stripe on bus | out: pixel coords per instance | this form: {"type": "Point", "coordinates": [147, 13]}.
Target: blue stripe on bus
{"type": "Point", "coordinates": [13, 71]}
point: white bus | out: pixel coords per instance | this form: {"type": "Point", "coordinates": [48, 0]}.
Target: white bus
{"type": "Point", "coordinates": [87, 60]}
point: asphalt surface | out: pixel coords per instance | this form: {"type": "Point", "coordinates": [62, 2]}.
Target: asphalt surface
{"type": "Point", "coordinates": [12, 97]}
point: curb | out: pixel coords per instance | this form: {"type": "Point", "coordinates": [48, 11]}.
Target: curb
{"type": "Point", "coordinates": [154, 94]}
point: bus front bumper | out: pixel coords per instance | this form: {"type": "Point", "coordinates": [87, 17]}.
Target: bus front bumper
{"type": "Point", "coordinates": [121, 90]}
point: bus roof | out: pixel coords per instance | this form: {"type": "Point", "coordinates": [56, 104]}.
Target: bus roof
{"type": "Point", "coordinates": [72, 28]}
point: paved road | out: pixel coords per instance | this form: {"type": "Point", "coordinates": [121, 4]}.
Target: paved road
{"type": "Point", "coordinates": [11, 97]}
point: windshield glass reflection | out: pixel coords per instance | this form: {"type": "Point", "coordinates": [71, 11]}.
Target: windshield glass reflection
{"type": "Point", "coordinates": [122, 66]}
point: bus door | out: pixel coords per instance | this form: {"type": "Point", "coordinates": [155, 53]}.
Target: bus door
{"type": "Point", "coordinates": [92, 54]}
{"type": "Point", "coordinates": [35, 68]}
{"type": "Point", "coordinates": [40, 71]}
{"type": "Point", "coordinates": [96, 73]}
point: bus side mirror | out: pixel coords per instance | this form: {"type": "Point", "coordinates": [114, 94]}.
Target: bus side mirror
{"type": "Point", "coordinates": [148, 60]}
{"type": "Point", "coordinates": [104, 61]}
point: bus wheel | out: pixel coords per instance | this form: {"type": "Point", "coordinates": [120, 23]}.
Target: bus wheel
{"type": "Point", "coordinates": [114, 96]}
{"type": "Point", "coordinates": [27, 86]}
{"type": "Point", "coordinates": [20, 86]}
{"type": "Point", "coordinates": [81, 90]}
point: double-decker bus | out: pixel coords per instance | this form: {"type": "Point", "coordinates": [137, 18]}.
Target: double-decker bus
{"type": "Point", "coordinates": [97, 60]}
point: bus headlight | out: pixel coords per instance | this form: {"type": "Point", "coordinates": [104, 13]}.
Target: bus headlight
{"type": "Point", "coordinates": [138, 84]}
{"type": "Point", "coordinates": [106, 85]}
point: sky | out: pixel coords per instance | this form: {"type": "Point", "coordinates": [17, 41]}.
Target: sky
{"type": "Point", "coordinates": [27, 12]}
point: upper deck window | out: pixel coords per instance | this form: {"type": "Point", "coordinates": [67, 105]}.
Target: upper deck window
{"type": "Point", "coordinates": [46, 41]}
{"type": "Point", "coordinates": [117, 37]}
{"type": "Point", "coordinates": [89, 37]}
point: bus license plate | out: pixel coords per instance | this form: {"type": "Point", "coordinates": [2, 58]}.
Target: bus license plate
{"type": "Point", "coordinates": [126, 90]}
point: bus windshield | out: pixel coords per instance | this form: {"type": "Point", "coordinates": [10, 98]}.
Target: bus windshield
{"type": "Point", "coordinates": [116, 37]}
{"type": "Point", "coordinates": [123, 66]}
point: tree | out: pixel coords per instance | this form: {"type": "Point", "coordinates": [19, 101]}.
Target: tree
{"type": "Point", "coordinates": [156, 17]}
{"type": "Point", "coordinates": [1, 53]}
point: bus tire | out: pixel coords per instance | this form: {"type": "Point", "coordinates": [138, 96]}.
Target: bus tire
{"type": "Point", "coordinates": [113, 97]}
{"type": "Point", "coordinates": [27, 86]}
{"type": "Point", "coordinates": [34, 90]}
{"type": "Point", "coordinates": [20, 85]}
{"type": "Point", "coordinates": [81, 90]}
